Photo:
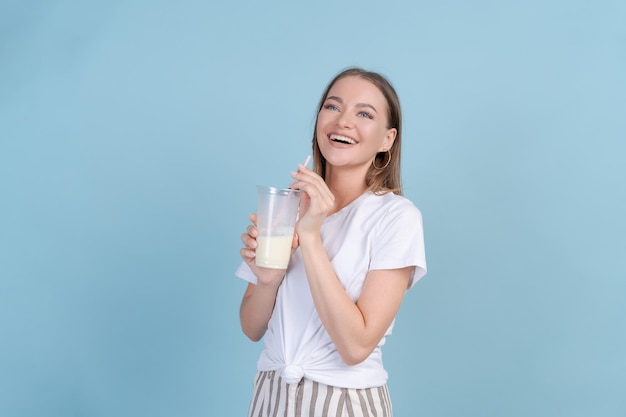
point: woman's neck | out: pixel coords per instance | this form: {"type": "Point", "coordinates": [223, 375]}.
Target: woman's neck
{"type": "Point", "coordinates": [346, 186]}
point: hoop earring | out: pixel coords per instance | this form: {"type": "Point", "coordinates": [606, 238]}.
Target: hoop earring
{"type": "Point", "coordinates": [386, 164]}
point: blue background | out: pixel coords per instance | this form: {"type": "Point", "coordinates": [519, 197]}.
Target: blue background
{"type": "Point", "coordinates": [132, 138]}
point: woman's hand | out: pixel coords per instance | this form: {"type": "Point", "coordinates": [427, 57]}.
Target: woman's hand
{"type": "Point", "coordinates": [316, 201]}
{"type": "Point", "coordinates": [265, 276]}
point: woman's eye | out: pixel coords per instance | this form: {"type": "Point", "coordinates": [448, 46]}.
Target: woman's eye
{"type": "Point", "coordinates": [331, 107]}
{"type": "Point", "coordinates": [365, 115]}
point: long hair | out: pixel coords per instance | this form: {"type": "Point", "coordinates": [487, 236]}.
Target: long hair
{"type": "Point", "coordinates": [380, 181]}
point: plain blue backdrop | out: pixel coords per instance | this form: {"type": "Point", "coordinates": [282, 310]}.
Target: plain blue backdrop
{"type": "Point", "coordinates": [133, 135]}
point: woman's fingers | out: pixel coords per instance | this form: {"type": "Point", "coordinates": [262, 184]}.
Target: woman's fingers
{"type": "Point", "coordinates": [315, 187]}
{"type": "Point", "coordinates": [248, 252]}
{"type": "Point", "coordinates": [306, 175]}
{"type": "Point", "coordinates": [249, 238]}
{"type": "Point", "coordinates": [247, 255]}
{"type": "Point", "coordinates": [316, 201]}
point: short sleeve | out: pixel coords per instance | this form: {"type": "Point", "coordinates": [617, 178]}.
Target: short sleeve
{"type": "Point", "coordinates": [244, 272]}
{"type": "Point", "coordinates": [399, 241]}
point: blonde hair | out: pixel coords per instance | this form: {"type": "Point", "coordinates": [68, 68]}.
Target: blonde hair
{"type": "Point", "coordinates": [379, 181]}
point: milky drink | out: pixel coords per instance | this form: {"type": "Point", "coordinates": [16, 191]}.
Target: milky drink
{"type": "Point", "coordinates": [274, 251]}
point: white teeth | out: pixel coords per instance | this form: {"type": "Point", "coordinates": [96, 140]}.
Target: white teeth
{"type": "Point", "coordinates": [342, 139]}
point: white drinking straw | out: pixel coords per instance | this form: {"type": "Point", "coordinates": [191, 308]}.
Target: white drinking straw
{"type": "Point", "coordinates": [308, 158]}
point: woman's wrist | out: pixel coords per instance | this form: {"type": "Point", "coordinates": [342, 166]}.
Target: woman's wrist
{"type": "Point", "coordinates": [306, 239]}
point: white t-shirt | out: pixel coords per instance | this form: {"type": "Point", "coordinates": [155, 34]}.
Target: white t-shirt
{"type": "Point", "coordinates": [373, 232]}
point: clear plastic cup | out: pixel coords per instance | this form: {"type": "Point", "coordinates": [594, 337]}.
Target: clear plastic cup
{"type": "Point", "coordinates": [277, 212]}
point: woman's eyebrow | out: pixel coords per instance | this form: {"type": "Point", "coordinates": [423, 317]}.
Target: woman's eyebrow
{"type": "Point", "coordinates": [340, 101]}
{"type": "Point", "coordinates": [337, 99]}
{"type": "Point", "coordinates": [366, 105]}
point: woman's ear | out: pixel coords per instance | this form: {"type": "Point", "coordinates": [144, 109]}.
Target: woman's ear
{"type": "Point", "coordinates": [390, 137]}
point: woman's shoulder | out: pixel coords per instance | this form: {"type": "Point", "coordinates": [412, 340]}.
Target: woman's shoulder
{"type": "Point", "coordinates": [393, 201]}
{"type": "Point", "coordinates": [393, 217]}
{"type": "Point", "coordinates": [392, 205]}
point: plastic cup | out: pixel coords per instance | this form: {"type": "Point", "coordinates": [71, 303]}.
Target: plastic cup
{"type": "Point", "coordinates": [277, 212]}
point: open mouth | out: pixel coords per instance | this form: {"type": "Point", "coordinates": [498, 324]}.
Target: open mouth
{"type": "Point", "coordinates": [342, 139]}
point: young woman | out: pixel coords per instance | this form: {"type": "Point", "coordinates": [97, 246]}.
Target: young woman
{"type": "Point", "coordinates": [358, 246]}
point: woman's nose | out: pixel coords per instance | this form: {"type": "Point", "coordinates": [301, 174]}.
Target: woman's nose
{"type": "Point", "coordinates": [344, 120]}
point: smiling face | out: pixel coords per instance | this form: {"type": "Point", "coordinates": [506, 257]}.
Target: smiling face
{"type": "Point", "coordinates": [352, 124]}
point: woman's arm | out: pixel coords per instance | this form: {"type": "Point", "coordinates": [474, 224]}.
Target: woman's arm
{"type": "Point", "coordinates": [256, 309]}
{"type": "Point", "coordinates": [355, 328]}
{"type": "Point", "coordinates": [259, 299]}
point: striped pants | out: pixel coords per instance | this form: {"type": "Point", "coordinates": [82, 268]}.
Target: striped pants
{"type": "Point", "coordinates": [272, 397]}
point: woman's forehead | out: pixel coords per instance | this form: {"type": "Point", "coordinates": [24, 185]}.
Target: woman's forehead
{"type": "Point", "coordinates": [357, 89]}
